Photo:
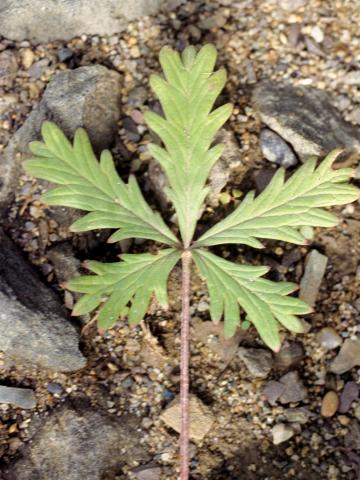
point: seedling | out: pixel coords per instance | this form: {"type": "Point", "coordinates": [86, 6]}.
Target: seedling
{"type": "Point", "coordinates": [238, 293]}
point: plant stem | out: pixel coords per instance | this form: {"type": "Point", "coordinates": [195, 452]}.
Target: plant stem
{"type": "Point", "coordinates": [184, 365]}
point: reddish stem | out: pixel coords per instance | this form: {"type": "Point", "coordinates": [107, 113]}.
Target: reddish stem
{"type": "Point", "coordinates": [184, 365]}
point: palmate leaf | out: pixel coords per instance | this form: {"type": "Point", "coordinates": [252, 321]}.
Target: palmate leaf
{"type": "Point", "coordinates": [187, 95]}
{"type": "Point", "coordinates": [286, 206]}
{"type": "Point", "coordinates": [93, 186]}
{"type": "Point", "coordinates": [134, 279]}
{"type": "Point", "coordinates": [266, 303]}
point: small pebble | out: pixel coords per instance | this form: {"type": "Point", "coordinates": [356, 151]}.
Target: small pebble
{"type": "Point", "coordinates": [276, 150]}
{"type": "Point", "coordinates": [329, 404]}
{"type": "Point", "coordinates": [20, 397]}
{"type": "Point", "coordinates": [281, 433]}
{"type": "Point", "coordinates": [349, 394]}
{"type": "Point", "coordinates": [54, 388]}
{"type": "Point", "coordinates": [329, 338]}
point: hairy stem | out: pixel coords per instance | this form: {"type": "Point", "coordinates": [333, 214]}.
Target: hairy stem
{"type": "Point", "coordinates": [184, 365]}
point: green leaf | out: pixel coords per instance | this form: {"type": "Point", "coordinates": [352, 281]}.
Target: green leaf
{"type": "Point", "coordinates": [94, 186]}
{"type": "Point", "coordinates": [187, 95]}
{"type": "Point", "coordinates": [282, 210]}
{"type": "Point", "coordinates": [134, 279]}
{"type": "Point", "coordinates": [266, 303]}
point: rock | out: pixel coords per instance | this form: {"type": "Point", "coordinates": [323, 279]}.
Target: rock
{"type": "Point", "coordinates": [348, 357]}
{"type": "Point", "coordinates": [281, 433]}
{"type": "Point", "coordinates": [257, 360]}
{"type": "Point", "coordinates": [289, 389]}
{"type": "Point", "coordinates": [297, 415]}
{"type": "Point", "coordinates": [27, 58]}
{"type": "Point", "coordinates": [352, 438]}
{"type": "Point", "coordinates": [65, 54]}
{"type": "Point", "coordinates": [329, 338]}
{"type": "Point", "coordinates": [38, 68]}
{"type": "Point", "coordinates": [289, 356]}
{"type": "Point", "coordinates": [349, 394]}
{"type": "Point", "coordinates": [41, 22]}
{"type": "Point", "coordinates": [19, 397]}
{"type": "Point", "coordinates": [201, 417]}
{"type": "Point", "coordinates": [292, 5]}
{"type": "Point", "coordinates": [276, 150]}
{"type": "Point", "coordinates": [54, 388]}
{"type": "Point", "coordinates": [294, 389]}
{"type": "Point", "coordinates": [8, 66]}
{"type": "Point", "coordinates": [305, 118]}
{"type": "Point", "coordinates": [329, 404]}
{"type": "Point", "coordinates": [87, 97]}
{"type": "Point", "coordinates": [315, 266]}
{"type": "Point", "coordinates": [152, 471]}
{"type": "Point", "coordinates": [77, 442]}
{"type": "Point", "coordinates": [35, 329]}
{"type": "Point", "coordinates": [317, 34]}
{"type": "Point", "coordinates": [212, 335]}
{"type": "Point", "coordinates": [352, 78]}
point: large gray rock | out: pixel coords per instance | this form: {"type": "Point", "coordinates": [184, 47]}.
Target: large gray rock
{"type": "Point", "coordinates": [44, 20]}
{"type": "Point", "coordinates": [305, 118]}
{"type": "Point", "coordinates": [86, 97]}
{"type": "Point", "coordinates": [78, 442]}
{"type": "Point", "coordinates": [33, 325]}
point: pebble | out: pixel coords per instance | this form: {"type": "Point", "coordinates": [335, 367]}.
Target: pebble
{"type": "Point", "coordinates": [297, 415]}
{"type": "Point", "coordinates": [257, 360]}
{"type": "Point", "coordinates": [329, 338]}
{"type": "Point", "coordinates": [65, 54]}
{"type": "Point", "coordinates": [276, 150]}
{"type": "Point", "coordinates": [348, 357]}
{"type": "Point", "coordinates": [201, 417]}
{"type": "Point", "coordinates": [315, 266]}
{"type": "Point", "coordinates": [349, 394]}
{"type": "Point", "coordinates": [147, 472]}
{"type": "Point", "coordinates": [294, 389]}
{"type": "Point", "coordinates": [54, 388]}
{"type": "Point", "coordinates": [317, 34]}
{"type": "Point", "coordinates": [352, 78]}
{"type": "Point", "coordinates": [27, 58]}
{"type": "Point", "coordinates": [329, 404]}
{"type": "Point", "coordinates": [20, 397]}
{"type": "Point", "coordinates": [38, 68]}
{"type": "Point", "coordinates": [281, 433]}
{"type": "Point", "coordinates": [289, 356]}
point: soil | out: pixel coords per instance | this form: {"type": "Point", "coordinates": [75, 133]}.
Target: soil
{"type": "Point", "coordinates": [134, 370]}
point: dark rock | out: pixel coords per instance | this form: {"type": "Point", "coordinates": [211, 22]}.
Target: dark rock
{"type": "Point", "coordinates": [19, 397]}
{"type": "Point", "coordinates": [276, 150]}
{"type": "Point", "coordinates": [65, 54]}
{"type": "Point", "coordinates": [35, 331]}
{"type": "Point", "coordinates": [315, 266]}
{"type": "Point", "coordinates": [41, 21]}
{"type": "Point", "coordinates": [257, 360]}
{"type": "Point", "coordinates": [348, 396]}
{"type": "Point", "coordinates": [294, 390]}
{"type": "Point", "coordinates": [289, 389]}
{"type": "Point", "coordinates": [305, 118]}
{"type": "Point", "coordinates": [78, 443]}
{"type": "Point", "coordinates": [289, 356]}
{"type": "Point", "coordinates": [87, 97]}
{"type": "Point", "coordinates": [352, 438]}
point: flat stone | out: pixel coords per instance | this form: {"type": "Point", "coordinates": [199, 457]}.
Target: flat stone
{"type": "Point", "coordinates": [40, 21]}
{"type": "Point", "coordinates": [35, 329]}
{"type": "Point", "coordinates": [297, 415]}
{"type": "Point", "coordinates": [86, 97]}
{"type": "Point", "coordinates": [329, 338]}
{"type": "Point", "coordinates": [294, 389]}
{"type": "Point", "coordinates": [349, 395]}
{"type": "Point", "coordinates": [19, 397]}
{"type": "Point", "coordinates": [78, 442]}
{"type": "Point", "coordinates": [272, 391]}
{"type": "Point", "coordinates": [281, 433]}
{"type": "Point", "coordinates": [305, 118]}
{"type": "Point", "coordinates": [348, 357]}
{"type": "Point", "coordinates": [315, 266]}
{"type": "Point", "coordinates": [147, 472]}
{"type": "Point", "coordinates": [329, 404]}
{"type": "Point", "coordinates": [276, 150]}
{"type": "Point", "coordinates": [257, 360]}
{"type": "Point", "coordinates": [201, 417]}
